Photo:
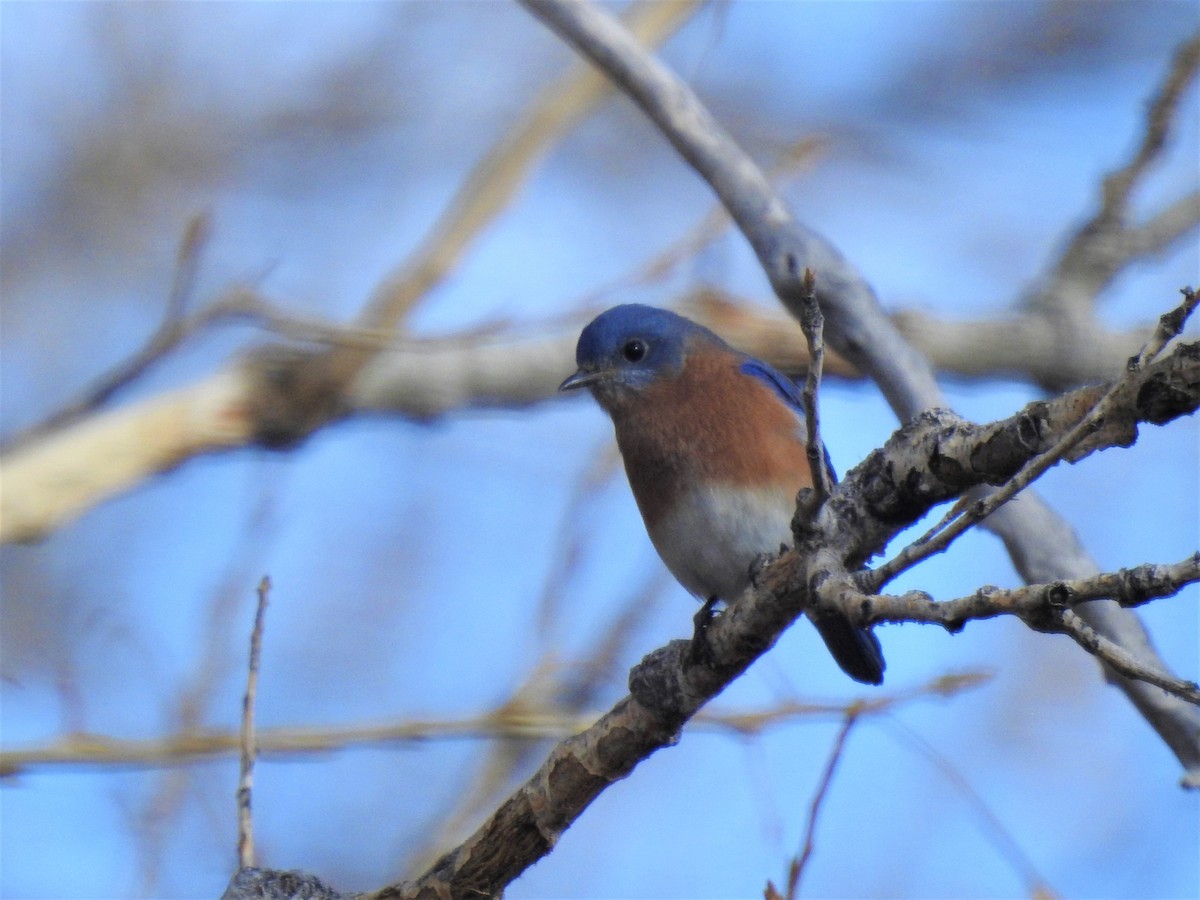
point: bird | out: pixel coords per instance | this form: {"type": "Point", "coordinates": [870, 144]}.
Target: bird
{"type": "Point", "coordinates": [714, 446]}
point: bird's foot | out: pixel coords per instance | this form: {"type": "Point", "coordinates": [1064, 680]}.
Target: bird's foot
{"type": "Point", "coordinates": [701, 651]}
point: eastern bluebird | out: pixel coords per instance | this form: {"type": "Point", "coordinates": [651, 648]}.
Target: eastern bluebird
{"type": "Point", "coordinates": [714, 448]}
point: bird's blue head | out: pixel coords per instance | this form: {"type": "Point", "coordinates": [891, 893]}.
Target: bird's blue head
{"type": "Point", "coordinates": [628, 347]}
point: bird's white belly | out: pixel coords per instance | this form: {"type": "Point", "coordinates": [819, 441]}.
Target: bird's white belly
{"type": "Point", "coordinates": [712, 535]}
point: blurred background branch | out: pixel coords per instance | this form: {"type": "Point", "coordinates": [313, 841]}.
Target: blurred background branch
{"type": "Point", "coordinates": [508, 723]}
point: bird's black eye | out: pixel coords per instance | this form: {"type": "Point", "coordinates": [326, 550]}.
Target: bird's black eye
{"type": "Point", "coordinates": [635, 350]}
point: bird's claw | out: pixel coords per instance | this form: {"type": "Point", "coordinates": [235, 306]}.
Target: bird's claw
{"type": "Point", "coordinates": [701, 651]}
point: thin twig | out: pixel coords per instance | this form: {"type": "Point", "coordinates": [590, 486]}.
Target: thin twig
{"type": "Point", "coordinates": [714, 223]}
{"type": "Point", "coordinates": [1164, 228]}
{"type": "Point", "coordinates": [1069, 623]}
{"type": "Point", "coordinates": [161, 811]}
{"type": "Point", "coordinates": [813, 325]}
{"type": "Point", "coordinates": [796, 869]}
{"type": "Point", "coordinates": [964, 516]}
{"type": "Point", "coordinates": [78, 750]}
{"type": "Point", "coordinates": [249, 746]}
{"type": "Point", "coordinates": [173, 327]}
{"type": "Point", "coordinates": [1108, 241]}
{"type": "Point", "coordinates": [239, 303]}
{"type": "Point", "coordinates": [187, 266]}
{"type": "Point", "coordinates": [484, 194]}
{"type": "Point", "coordinates": [1160, 116]}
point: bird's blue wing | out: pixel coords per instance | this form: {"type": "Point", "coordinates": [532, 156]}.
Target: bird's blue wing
{"type": "Point", "coordinates": [786, 390]}
{"type": "Point", "coordinates": [783, 386]}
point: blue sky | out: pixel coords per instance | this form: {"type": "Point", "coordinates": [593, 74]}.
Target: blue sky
{"type": "Point", "coordinates": [410, 560]}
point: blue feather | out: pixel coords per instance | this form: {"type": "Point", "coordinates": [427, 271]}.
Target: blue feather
{"type": "Point", "coordinates": [786, 390]}
{"type": "Point", "coordinates": [776, 381]}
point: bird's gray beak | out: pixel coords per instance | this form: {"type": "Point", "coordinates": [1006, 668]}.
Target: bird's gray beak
{"type": "Point", "coordinates": [580, 379]}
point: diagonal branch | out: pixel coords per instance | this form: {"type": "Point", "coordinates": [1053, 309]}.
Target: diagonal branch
{"type": "Point", "coordinates": [1160, 118]}
{"type": "Point", "coordinates": [1107, 242]}
{"type": "Point", "coordinates": [796, 869]}
{"type": "Point", "coordinates": [171, 331]}
{"type": "Point", "coordinates": [926, 462]}
{"type": "Point", "coordinates": [1116, 657]}
{"type": "Point", "coordinates": [277, 395]}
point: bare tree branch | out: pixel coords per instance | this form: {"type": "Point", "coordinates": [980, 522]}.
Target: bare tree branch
{"type": "Point", "coordinates": [1160, 119]}
{"type": "Point", "coordinates": [796, 869]}
{"type": "Point", "coordinates": [1021, 347]}
{"type": "Point", "coordinates": [507, 722]}
{"type": "Point", "coordinates": [170, 332]}
{"type": "Point", "coordinates": [784, 247]}
{"type": "Point", "coordinates": [248, 740]}
{"type": "Point", "coordinates": [59, 474]}
{"type": "Point", "coordinates": [715, 222]}
{"type": "Point", "coordinates": [1129, 587]}
{"type": "Point", "coordinates": [255, 402]}
{"type": "Point", "coordinates": [1167, 226]}
{"type": "Point", "coordinates": [1107, 242]}
{"type": "Point", "coordinates": [1049, 608]}
{"type": "Point", "coordinates": [257, 884]}
{"type": "Point", "coordinates": [1116, 657]}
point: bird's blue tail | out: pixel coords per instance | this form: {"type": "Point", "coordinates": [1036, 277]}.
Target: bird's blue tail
{"type": "Point", "coordinates": [856, 650]}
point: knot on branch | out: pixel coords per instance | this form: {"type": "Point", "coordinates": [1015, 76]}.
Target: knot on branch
{"type": "Point", "coordinates": [1047, 618]}
{"type": "Point", "coordinates": [657, 681]}
{"type": "Point", "coordinates": [1173, 391]}
{"type": "Point", "coordinates": [911, 472]}
{"type": "Point", "coordinates": [1060, 596]}
{"type": "Point", "coordinates": [1001, 455]}
{"type": "Point", "coordinates": [1171, 323]}
{"type": "Point", "coordinates": [676, 680]}
{"type": "Point", "coordinates": [834, 593]}
{"type": "Point", "coordinates": [295, 392]}
{"type": "Point", "coordinates": [270, 884]}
